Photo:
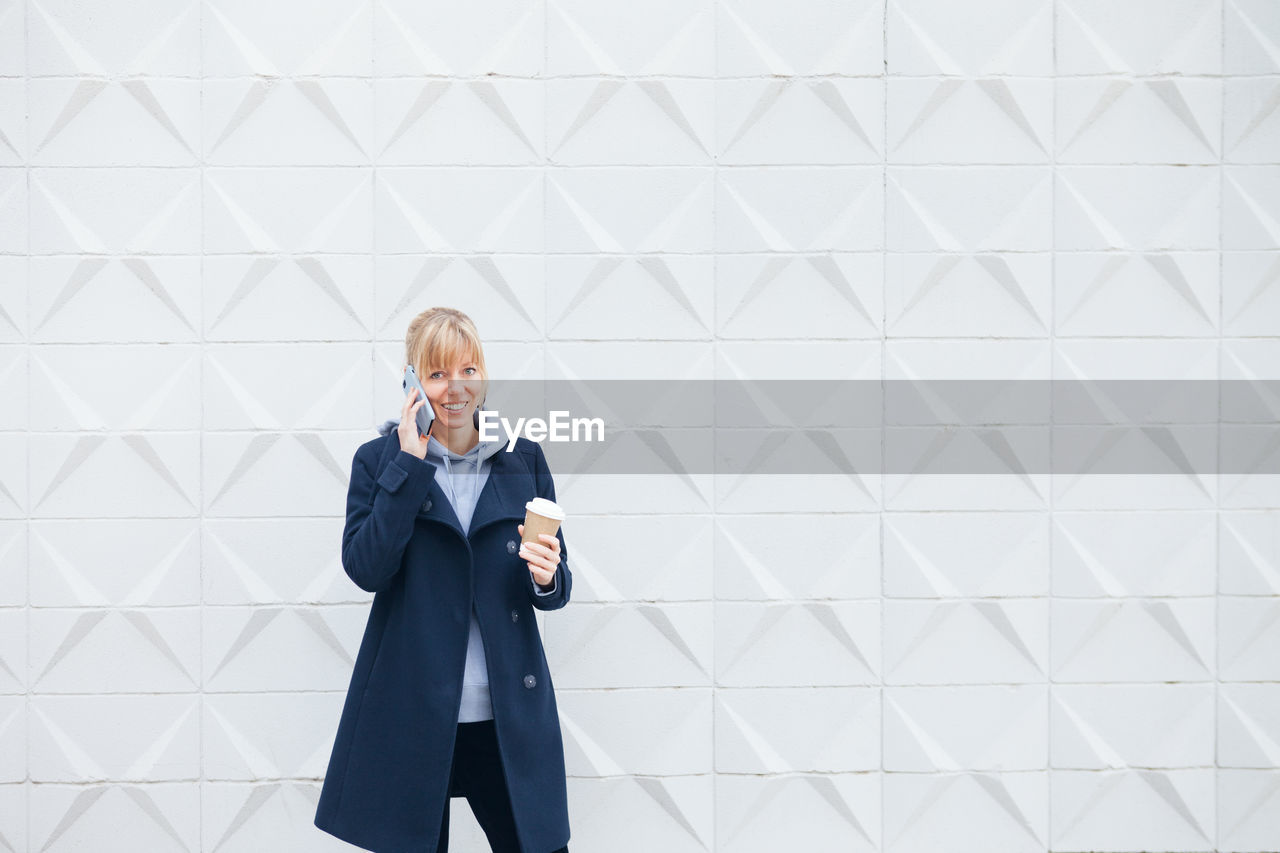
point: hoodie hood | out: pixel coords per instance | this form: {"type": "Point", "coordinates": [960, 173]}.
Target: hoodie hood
{"type": "Point", "coordinates": [461, 475]}
{"type": "Point", "coordinates": [482, 451]}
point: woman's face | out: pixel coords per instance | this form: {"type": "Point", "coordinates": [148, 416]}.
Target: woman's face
{"type": "Point", "coordinates": [454, 393]}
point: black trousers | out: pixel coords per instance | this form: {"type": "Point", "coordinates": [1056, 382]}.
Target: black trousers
{"type": "Point", "coordinates": [477, 775]}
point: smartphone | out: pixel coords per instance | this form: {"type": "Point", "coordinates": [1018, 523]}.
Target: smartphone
{"type": "Point", "coordinates": [425, 413]}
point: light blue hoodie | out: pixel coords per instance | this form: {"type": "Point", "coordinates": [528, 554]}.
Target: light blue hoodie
{"type": "Point", "coordinates": [462, 478]}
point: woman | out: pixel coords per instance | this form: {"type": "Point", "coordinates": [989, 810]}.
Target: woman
{"type": "Point", "coordinates": [450, 694]}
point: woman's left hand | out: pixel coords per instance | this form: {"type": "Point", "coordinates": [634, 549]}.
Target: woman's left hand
{"type": "Point", "coordinates": [543, 559]}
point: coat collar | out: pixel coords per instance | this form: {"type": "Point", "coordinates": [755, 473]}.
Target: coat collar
{"type": "Point", "coordinates": [503, 497]}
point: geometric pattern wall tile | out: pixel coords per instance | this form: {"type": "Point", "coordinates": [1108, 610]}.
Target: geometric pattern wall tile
{"type": "Point", "coordinates": [1137, 295]}
{"type": "Point", "coordinates": [993, 120]}
{"type": "Point", "coordinates": [14, 325]}
{"type": "Point", "coordinates": [119, 476]}
{"type": "Point", "coordinates": [796, 556]}
{"type": "Point", "coordinates": [1248, 722]}
{"type": "Point", "coordinates": [271, 473]}
{"type": "Point", "coordinates": [106, 387]}
{"type": "Point", "coordinates": [240, 818]}
{"type": "Point", "coordinates": [1162, 120]}
{"type": "Point", "coordinates": [286, 210]}
{"type": "Point", "coordinates": [668, 813]}
{"type": "Point", "coordinates": [604, 572]}
{"type": "Point", "coordinates": [810, 39]}
{"type": "Point", "coordinates": [667, 37]}
{"type": "Point", "coordinates": [244, 38]}
{"type": "Point", "coordinates": [785, 645]}
{"type": "Point", "coordinates": [1250, 37]}
{"type": "Point", "coordinates": [499, 37]}
{"type": "Point", "coordinates": [14, 450]}
{"type": "Point", "coordinates": [948, 295]}
{"type": "Point", "coordinates": [14, 560]}
{"type": "Point", "coordinates": [13, 124]}
{"type": "Point", "coordinates": [115, 562]}
{"type": "Point", "coordinates": [115, 651]}
{"type": "Point", "coordinates": [592, 645]}
{"type": "Point", "coordinates": [758, 730]}
{"type": "Point", "coordinates": [993, 38]}
{"type": "Point", "coordinates": [1163, 640]}
{"type": "Point", "coordinates": [1251, 123]}
{"type": "Point", "coordinates": [944, 811]}
{"type": "Point", "coordinates": [148, 37]}
{"type": "Point", "coordinates": [1139, 37]}
{"type": "Point", "coordinates": [930, 555]}
{"type": "Point", "coordinates": [1248, 636]}
{"type": "Point", "coordinates": [974, 209]}
{"type": "Point", "coordinates": [104, 738]}
{"type": "Point", "coordinates": [13, 747]}
{"type": "Point", "coordinates": [1133, 553]}
{"type": "Point", "coordinates": [1249, 553]}
{"type": "Point", "coordinates": [288, 122]}
{"type": "Point", "coordinates": [474, 209]}
{"type": "Point", "coordinates": [1134, 810]}
{"type": "Point", "coordinates": [630, 297]}
{"type": "Point", "coordinates": [14, 642]}
{"type": "Point", "coordinates": [1250, 207]}
{"type": "Point", "coordinates": [793, 121]}
{"type": "Point", "coordinates": [79, 211]}
{"type": "Point", "coordinates": [756, 296]}
{"type": "Point", "coordinates": [965, 642]}
{"type": "Point", "coordinates": [600, 728]}
{"type": "Point", "coordinates": [1017, 491]}
{"type": "Point", "coordinates": [250, 561]}
{"type": "Point", "coordinates": [280, 648]}
{"type": "Point", "coordinates": [255, 298]}
{"type": "Point", "coordinates": [70, 295]}
{"type": "Point", "coordinates": [271, 387]}
{"type": "Point", "coordinates": [800, 493]}
{"type": "Point", "coordinates": [836, 811]}
{"type": "Point", "coordinates": [1248, 809]}
{"type": "Point", "coordinates": [497, 121]}
{"type": "Point", "coordinates": [13, 32]}
{"type": "Point", "coordinates": [140, 122]}
{"type": "Point", "coordinates": [799, 209]}
{"type": "Point", "coordinates": [115, 817]}
{"type": "Point", "coordinates": [1108, 727]}
{"type": "Point", "coordinates": [949, 729]}
{"type": "Point", "coordinates": [1251, 293]}
{"type": "Point", "coordinates": [1137, 208]}
{"type": "Point", "coordinates": [248, 736]}
{"type": "Point", "coordinates": [615, 210]}
{"type": "Point", "coordinates": [14, 222]}
{"type": "Point", "coordinates": [615, 121]}
{"type": "Point", "coordinates": [505, 294]}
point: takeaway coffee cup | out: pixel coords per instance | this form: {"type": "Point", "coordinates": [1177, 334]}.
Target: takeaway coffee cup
{"type": "Point", "coordinates": [541, 516]}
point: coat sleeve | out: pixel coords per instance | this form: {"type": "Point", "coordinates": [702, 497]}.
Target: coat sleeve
{"type": "Point", "coordinates": [377, 530]}
{"type": "Point", "coordinates": [558, 595]}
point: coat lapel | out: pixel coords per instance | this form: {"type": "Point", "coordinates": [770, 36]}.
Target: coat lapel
{"type": "Point", "coordinates": [503, 495]}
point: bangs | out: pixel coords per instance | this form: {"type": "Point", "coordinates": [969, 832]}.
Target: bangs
{"type": "Point", "coordinates": [450, 345]}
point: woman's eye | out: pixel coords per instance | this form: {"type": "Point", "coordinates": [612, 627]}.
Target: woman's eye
{"type": "Point", "coordinates": [437, 375]}
{"type": "Point", "coordinates": [471, 370]}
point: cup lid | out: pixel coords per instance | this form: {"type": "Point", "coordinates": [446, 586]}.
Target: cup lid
{"type": "Point", "coordinates": [545, 508]}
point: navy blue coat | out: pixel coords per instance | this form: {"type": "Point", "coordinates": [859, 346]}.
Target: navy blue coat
{"type": "Point", "coordinates": [386, 785]}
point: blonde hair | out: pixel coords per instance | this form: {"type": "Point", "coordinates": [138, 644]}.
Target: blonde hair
{"type": "Point", "coordinates": [439, 338]}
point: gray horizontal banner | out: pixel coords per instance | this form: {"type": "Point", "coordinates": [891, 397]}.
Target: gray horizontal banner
{"type": "Point", "coordinates": [911, 427]}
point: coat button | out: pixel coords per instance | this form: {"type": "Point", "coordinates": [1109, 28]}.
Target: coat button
{"type": "Point", "coordinates": [426, 506]}
{"type": "Point", "coordinates": [512, 547]}
{"type": "Point", "coordinates": [515, 616]}
{"type": "Point", "coordinates": [530, 681]}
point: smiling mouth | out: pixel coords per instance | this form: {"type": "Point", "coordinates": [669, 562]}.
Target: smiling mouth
{"type": "Point", "coordinates": [454, 407]}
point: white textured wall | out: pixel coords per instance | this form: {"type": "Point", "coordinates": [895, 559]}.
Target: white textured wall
{"type": "Point", "coordinates": [217, 217]}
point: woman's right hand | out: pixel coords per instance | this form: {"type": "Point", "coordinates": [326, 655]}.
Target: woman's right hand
{"type": "Point", "coordinates": [410, 439]}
